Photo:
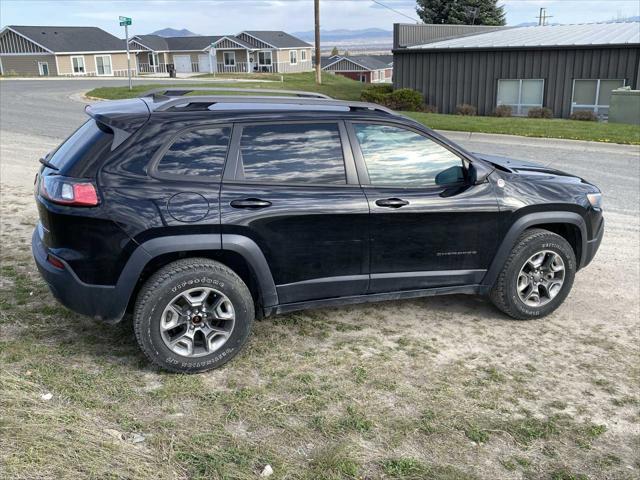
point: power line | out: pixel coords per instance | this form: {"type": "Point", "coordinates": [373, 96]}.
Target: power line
{"type": "Point", "coordinates": [396, 11]}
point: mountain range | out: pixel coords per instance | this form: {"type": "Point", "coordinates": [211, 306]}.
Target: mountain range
{"type": "Point", "coordinates": [172, 32]}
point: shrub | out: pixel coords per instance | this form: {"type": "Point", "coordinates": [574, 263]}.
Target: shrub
{"type": "Point", "coordinates": [466, 109]}
{"type": "Point", "coordinates": [430, 109]}
{"type": "Point", "coordinates": [584, 115]}
{"type": "Point", "coordinates": [405, 99]}
{"type": "Point", "coordinates": [540, 112]}
{"type": "Point", "coordinates": [401, 99]}
{"type": "Point", "coordinates": [503, 111]}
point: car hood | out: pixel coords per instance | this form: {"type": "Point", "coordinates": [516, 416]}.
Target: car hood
{"type": "Point", "coordinates": [522, 167]}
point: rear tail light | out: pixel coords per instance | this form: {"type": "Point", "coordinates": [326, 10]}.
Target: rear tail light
{"type": "Point", "coordinates": [69, 191]}
{"type": "Point", "coordinates": [55, 262]}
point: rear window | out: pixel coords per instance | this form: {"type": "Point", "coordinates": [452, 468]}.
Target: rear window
{"type": "Point", "coordinates": [293, 153]}
{"type": "Point", "coordinates": [85, 144]}
{"type": "Point", "coordinates": [198, 153]}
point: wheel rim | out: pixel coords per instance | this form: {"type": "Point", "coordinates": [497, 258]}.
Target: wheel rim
{"type": "Point", "coordinates": [197, 322]}
{"type": "Point", "coordinates": [541, 278]}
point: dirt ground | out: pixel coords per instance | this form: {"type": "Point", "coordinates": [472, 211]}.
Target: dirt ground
{"type": "Point", "coordinates": [431, 388]}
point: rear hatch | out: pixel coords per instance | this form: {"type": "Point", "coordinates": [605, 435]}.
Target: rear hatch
{"type": "Point", "coordinates": [74, 224]}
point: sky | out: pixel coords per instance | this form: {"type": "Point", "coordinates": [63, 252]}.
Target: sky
{"type": "Point", "coordinates": [209, 17]}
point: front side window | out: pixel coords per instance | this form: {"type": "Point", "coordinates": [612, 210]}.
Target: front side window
{"type": "Point", "coordinates": [103, 65]}
{"type": "Point", "coordinates": [520, 95]}
{"type": "Point", "coordinates": [293, 56]}
{"type": "Point", "coordinates": [398, 157]}
{"type": "Point", "coordinates": [292, 153]}
{"type": "Point", "coordinates": [199, 153]}
{"type": "Point", "coordinates": [303, 55]}
{"type": "Point", "coordinates": [594, 95]}
{"type": "Point", "coordinates": [230, 59]}
{"type": "Point", "coordinates": [78, 64]}
{"type": "Point", "coordinates": [264, 58]}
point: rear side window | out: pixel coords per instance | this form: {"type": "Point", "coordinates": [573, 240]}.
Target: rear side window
{"type": "Point", "coordinates": [197, 153]}
{"type": "Point", "coordinates": [85, 143]}
{"type": "Point", "coordinates": [292, 153]}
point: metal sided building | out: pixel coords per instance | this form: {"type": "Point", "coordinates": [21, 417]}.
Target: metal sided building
{"type": "Point", "coordinates": [563, 67]}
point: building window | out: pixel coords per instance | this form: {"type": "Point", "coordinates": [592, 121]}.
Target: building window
{"type": "Point", "coordinates": [293, 57]}
{"type": "Point", "coordinates": [229, 59]}
{"type": "Point", "coordinates": [362, 77]}
{"type": "Point", "coordinates": [43, 69]}
{"type": "Point", "coordinates": [594, 95]}
{"type": "Point", "coordinates": [264, 58]}
{"type": "Point", "coordinates": [78, 65]}
{"type": "Point", "coordinates": [521, 95]}
{"type": "Point", "coordinates": [103, 65]}
{"type": "Point", "coordinates": [303, 55]}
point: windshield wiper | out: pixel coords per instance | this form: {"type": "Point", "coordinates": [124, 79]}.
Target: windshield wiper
{"type": "Point", "coordinates": [47, 163]}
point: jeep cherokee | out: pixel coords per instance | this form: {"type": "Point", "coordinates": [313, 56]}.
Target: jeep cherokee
{"type": "Point", "coordinates": [197, 213]}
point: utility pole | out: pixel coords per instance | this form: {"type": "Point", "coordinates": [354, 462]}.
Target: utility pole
{"type": "Point", "coordinates": [316, 8]}
{"type": "Point", "coordinates": [126, 21]}
{"type": "Point", "coordinates": [542, 17]}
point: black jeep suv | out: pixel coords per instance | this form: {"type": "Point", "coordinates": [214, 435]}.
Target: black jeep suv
{"type": "Point", "coordinates": [197, 213]}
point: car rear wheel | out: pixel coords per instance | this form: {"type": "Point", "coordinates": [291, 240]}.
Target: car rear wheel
{"type": "Point", "coordinates": [193, 315]}
{"type": "Point", "coordinates": [537, 276]}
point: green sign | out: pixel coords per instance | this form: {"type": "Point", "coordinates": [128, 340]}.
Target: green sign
{"type": "Point", "coordinates": [125, 21]}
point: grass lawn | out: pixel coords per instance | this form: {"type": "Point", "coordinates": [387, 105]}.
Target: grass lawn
{"type": "Point", "coordinates": [333, 85]}
{"type": "Point", "coordinates": [533, 127]}
{"type": "Point", "coordinates": [346, 89]}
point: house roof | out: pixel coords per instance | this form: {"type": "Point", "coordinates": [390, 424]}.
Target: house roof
{"type": "Point", "coordinates": [236, 40]}
{"type": "Point", "coordinates": [154, 42]}
{"type": "Point", "coordinates": [277, 38]}
{"type": "Point", "coordinates": [370, 62]}
{"type": "Point", "coordinates": [546, 36]}
{"type": "Point", "coordinates": [71, 39]}
{"type": "Point", "coordinates": [158, 43]}
{"type": "Point", "coordinates": [192, 43]}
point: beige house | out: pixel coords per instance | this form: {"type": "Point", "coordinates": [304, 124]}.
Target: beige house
{"type": "Point", "coordinates": [72, 51]}
{"type": "Point", "coordinates": [246, 52]}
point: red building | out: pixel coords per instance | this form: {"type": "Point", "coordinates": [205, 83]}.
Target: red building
{"type": "Point", "coordinates": [364, 68]}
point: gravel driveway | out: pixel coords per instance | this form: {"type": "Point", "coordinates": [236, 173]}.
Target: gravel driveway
{"type": "Point", "coordinates": [478, 372]}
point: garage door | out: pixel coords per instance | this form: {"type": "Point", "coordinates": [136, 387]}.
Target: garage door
{"type": "Point", "coordinates": [182, 63]}
{"type": "Point", "coordinates": [203, 63]}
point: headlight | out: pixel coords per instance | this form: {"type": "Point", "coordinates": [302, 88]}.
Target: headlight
{"type": "Point", "coordinates": [595, 199]}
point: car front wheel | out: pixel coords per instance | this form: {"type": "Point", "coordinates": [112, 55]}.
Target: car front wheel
{"type": "Point", "coordinates": [537, 276]}
{"type": "Point", "coordinates": [193, 315]}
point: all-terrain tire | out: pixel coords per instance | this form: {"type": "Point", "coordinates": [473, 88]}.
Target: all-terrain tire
{"type": "Point", "coordinates": [504, 293]}
{"type": "Point", "coordinates": [181, 276]}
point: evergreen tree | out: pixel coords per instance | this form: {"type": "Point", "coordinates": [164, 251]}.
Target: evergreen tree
{"type": "Point", "coordinates": [461, 12]}
{"type": "Point", "coordinates": [335, 51]}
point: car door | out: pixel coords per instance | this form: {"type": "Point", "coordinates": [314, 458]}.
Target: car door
{"type": "Point", "coordinates": [292, 188]}
{"type": "Point", "coordinates": [429, 226]}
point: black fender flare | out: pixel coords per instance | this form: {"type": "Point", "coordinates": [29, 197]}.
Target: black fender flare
{"type": "Point", "coordinates": [528, 221]}
{"type": "Point", "coordinates": [153, 248]}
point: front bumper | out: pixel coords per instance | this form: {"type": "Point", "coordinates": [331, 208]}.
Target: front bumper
{"type": "Point", "coordinates": [98, 301]}
{"type": "Point", "coordinates": [593, 245]}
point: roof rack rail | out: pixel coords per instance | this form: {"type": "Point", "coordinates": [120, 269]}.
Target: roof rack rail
{"type": "Point", "coordinates": [208, 101]}
{"type": "Point", "coordinates": [178, 92]}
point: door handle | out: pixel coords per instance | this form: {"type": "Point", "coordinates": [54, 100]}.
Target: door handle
{"type": "Point", "coordinates": [391, 202]}
{"type": "Point", "coordinates": [250, 203]}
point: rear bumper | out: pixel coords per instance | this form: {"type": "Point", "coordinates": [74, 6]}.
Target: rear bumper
{"type": "Point", "coordinates": [592, 246]}
{"type": "Point", "coordinates": [98, 301]}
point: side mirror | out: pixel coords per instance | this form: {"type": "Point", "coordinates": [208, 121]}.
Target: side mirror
{"type": "Point", "coordinates": [479, 171]}
{"type": "Point", "coordinates": [450, 175]}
